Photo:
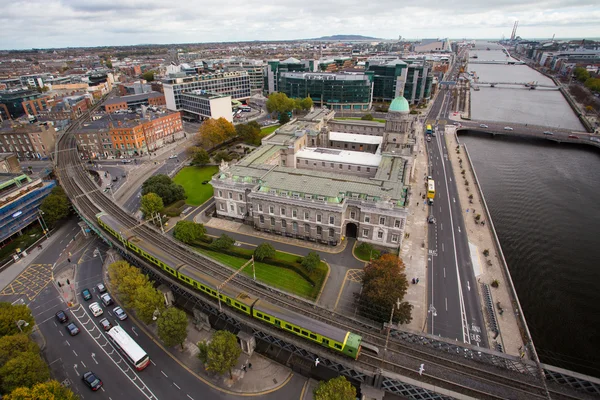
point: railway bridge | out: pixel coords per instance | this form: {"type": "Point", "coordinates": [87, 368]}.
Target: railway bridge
{"type": "Point", "coordinates": [452, 369]}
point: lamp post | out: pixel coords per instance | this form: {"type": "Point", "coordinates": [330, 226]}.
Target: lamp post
{"type": "Point", "coordinates": [387, 338]}
{"type": "Point", "coordinates": [44, 225]}
{"type": "Point", "coordinates": [21, 323]}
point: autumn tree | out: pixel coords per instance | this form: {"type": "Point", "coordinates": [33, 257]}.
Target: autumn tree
{"type": "Point", "coordinates": [221, 354]}
{"type": "Point", "coordinates": [12, 345]}
{"type": "Point", "coordinates": [50, 390]}
{"type": "Point", "coordinates": [25, 369]}
{"type": "Point", "coordinates": [335, 389]}
{"type": "Point", "coordinates": [151, 204]}
{"type": "Point", "coordinates": [10, 314]}
{"type": "Point", "coordinates": [384, 283]}
{"type": "Point", "coordinates": [264, 250]}
{"type": "Point", "coordinates": [213, 132]}
{"type": "Point", "coordinates": [188, 231]}
{"type": "Point", "coordinates": [172, 327]}
{"type": "Point", "coordinates": [146, 301]}
{"type": "Point", "coordinates": [129, 285]}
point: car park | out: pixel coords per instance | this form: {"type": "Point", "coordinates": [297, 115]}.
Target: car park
{"type": "Point", "coordinates": [508, 128]}
{"type": "Point", "coordinates": [92, 380]}
{"type": "Point", "coordinates": [86, 294]}
{"type": "Point", "coordinates": [72, 329]}
{"type": "Point", "coordinates": [120, 314]}
{"type": "Point", "coordinates": [548, 133]}
{"type": "Point", "coordinates": [106, 299]}
{"type": "Point", "coordinates": [61, 316]}
{"type": "Point", "coordinates": [105, 323]}
{"type": "Point", "coordinates": [483, 126]}
{"type": "Point", "coordinates": [101, 288]}
{"type": "Point", "coordinates": [96, 309]}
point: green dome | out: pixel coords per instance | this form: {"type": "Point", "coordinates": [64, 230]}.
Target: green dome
{"type": "Point", "coordinates": [400, 104]}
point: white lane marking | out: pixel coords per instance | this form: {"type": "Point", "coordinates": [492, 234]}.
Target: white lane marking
{"type": "Point", "coordinates": [450, 179]}
{"type": "Point", "coordinates": [446, 303]}
{"type": "Point", "coordinates": [442, 246]}
{"type": "Point", "coordinates": [102, 389]}
{"type": "Point", "coordinates": [85, 366]}
{"type": "Point", "coordinates": [441, 226]}
{"type": "Point", "coordinates": [190, 397]}
{"type": "Point", "coordinates": [176, 386]}
{"type": "Point", "coordinates": [133, 329]}
{"type": "Point", "coordinates": [459, 229]}
{"type": "Point", "coordinates": [61, 334]}
{"type": "Point", "coordinates": [163, 372]}
{"type": "Point", "coordinates": [153, 363]}
{"type": "Point", "coordinates": [75, 353]}
{"type": "Point", "coordinates": [94, 358]}
{"type": "Point", "coordinates": [444, 272]}
{"type": "Point", "coordinates": [454, 199]}
{"type": "Point", "coordinates": [68, 343]}
{"type": "Point", "coordinates": [468, 286]}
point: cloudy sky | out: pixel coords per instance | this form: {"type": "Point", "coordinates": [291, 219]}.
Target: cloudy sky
{"type": "Point", "coordinates": [61, 23]}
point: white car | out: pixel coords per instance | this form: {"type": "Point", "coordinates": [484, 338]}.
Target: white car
{"type": "Point", "coordinates": [548, 133]}
{"type": "Point", "coordinates": [96, 309]}
{"type": "Point", "coordinates": [172, 156]}
{"type": "Point", "coordinates": [483, 126]}
{"type": "Point", "coordinates": [508, 128]}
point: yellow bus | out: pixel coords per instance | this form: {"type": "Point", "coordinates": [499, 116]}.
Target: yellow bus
{"type": "Point", "coordinates": [430, 189]}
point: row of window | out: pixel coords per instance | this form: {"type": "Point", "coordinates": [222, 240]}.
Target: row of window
{"type": "Point", "coordinates": [282, 212]}
{"type": "Point", "coordinates": [297, 330]}
{"type": "Point", "coordinates": [366, 233]}
{"type": "Point", "coordinates": [331, 165]}
{"type": "Point", "coordinates": [284, 224]}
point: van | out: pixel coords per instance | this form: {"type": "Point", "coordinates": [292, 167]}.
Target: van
{"type": "Point", "coordinates": [96, 309]}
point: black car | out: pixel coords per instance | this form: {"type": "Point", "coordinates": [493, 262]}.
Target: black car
{"type": "Point", "coordinates": [92, 381]}
{"type": "Point", "coordinates": [61, 316]}
{"type": "Point", "coordinates": [72, 329]}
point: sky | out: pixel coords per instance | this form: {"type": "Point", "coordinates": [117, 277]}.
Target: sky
{"type": "Point", "coordinates": [63, 23]}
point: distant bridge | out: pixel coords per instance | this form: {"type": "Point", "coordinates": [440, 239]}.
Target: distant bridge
{"type": "Point", "coordinates": [500, 62]}
{"type": "Point", "coordinates": [527, 84]}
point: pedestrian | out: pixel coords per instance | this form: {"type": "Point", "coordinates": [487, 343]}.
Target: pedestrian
{"type": "Point", "coordinates": [250, 365]}
{"type": "Point", "coordinates": [68, 260]}
{"type": "Point", "coordinates": [413, 281]}
{"type": "Point", "coordinates": [417, 280]}
{"type": "Point", "coordinates": [244, 368]}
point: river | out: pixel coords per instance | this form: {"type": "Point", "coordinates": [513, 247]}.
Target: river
{"type": "Point", "coordinates": [545, 204]}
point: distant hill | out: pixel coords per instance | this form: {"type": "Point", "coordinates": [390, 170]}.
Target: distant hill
{"type": "Point", "coordinates": [345, 37]}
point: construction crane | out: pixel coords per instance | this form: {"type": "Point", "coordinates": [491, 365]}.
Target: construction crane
{"type": "Point", "coordinates": [514, 31]}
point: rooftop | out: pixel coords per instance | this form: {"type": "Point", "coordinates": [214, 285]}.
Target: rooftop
{"type": "Point", "coordinates": [354, 138]}
{"type": "Point", "coordinates": [341, 156]}
{"type": "Point", "coordinates": [132, 98]}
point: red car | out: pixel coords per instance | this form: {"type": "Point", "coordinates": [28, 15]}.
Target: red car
{"type": "Point", "coordinates": [573, 137]}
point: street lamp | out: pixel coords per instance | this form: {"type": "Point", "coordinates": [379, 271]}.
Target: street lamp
{"type": "Point", "coordinates": [44, 225]}
{"type": "Point", "coordinates": [21, 323]}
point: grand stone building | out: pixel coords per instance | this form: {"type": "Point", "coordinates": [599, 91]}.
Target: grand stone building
{"type": "Point", "coordinates": [323, 180]}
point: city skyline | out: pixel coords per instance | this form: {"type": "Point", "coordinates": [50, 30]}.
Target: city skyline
{"type": "Point", "coordinates": [67, 23]}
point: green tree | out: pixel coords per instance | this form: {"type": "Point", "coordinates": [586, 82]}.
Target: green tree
{"type": "Point", "coordinates": [129, 285]}
{"type": "Point", "coordinates": [581, 74]}
{"type": "Point", "coordinates": [163, 186]}
{"type": "Point", "coordinates": [221, 155]}
{"type": "Point", "coordinates": [26, 369]}
{"type": "Point", "coordinates": [221, 354]}
{"type": "Point", "coordinates": [264, 250]}
{"type": "Point", "coordinates": [12, 345]}
{"type": "Point", "coordinates": [10, 314]}
{"type": "Point", "coordinates": [311, 261]}
{"type": "Point", "coordinates": [118, 270]}
{"type": "Point", "coordinates": [249, 133]}
{"type": "Point", "coordinates": [224, 242]}
{"type": "Point", "coordinates": [55, 206]}
{"type": "Point", "coordinates": [148, 76]}
{"type": "Point", "coordinates": [384, 283]}
{"type": "Point", "coordinates": [109, 64]}
{"type": "Point", "coordinates": [593, 84]}
{"type": "Point", "coordinates": [188, 231]}
{"type": "Point", "coordinates": [280, 103]}
{"type": "Point", "coordinates": [151, 204]}
{"type": "Point", "coordinates": [335, 389]}
{"type": "Point", "coordinates": [284, 118]}
{"type": "Point", "coordinates": [146, 301]}
{"type": "Point", "coordinates": [50, 390]}
{"type": "Point", "coordinates": [172, 327]}
{"type": "Point", "coordinates": [367, 117]}
{"type": "Point", "coordinates": [200, 157]}
{"type": "Point", "coordinates": [306, 103]}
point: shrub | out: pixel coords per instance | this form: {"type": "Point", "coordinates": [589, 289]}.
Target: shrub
{"type": "Point", "coordinates": [486, 252]}
{"type": "Point", "coordinates": [495, 283]}
{"type": "Point", "coordinates": [311, 261]}
{"type": "Point", "coordinates": [224, 242]}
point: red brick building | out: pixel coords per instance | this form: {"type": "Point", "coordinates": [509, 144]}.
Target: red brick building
{"type": "Point", "coordinates": [134, 101]}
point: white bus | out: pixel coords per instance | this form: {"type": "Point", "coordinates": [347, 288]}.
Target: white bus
{"type": "Point", "coordinates": [129, 348]}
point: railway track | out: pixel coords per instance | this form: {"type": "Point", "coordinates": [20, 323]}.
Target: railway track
{"type": "Point", "coordinates": [482, 381]}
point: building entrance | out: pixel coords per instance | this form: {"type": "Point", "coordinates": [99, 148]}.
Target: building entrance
{"type": "Point", "coordinates": [351, 230]}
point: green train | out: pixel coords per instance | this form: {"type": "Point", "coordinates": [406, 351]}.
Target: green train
{"type": "Point", "coordinates": [338, 340]}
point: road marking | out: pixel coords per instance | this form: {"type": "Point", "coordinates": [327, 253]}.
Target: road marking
{"type": "Point", "coordinates": [190, 397]}
{"type": "Point", "coordinates": [94, 358]}
{"type": "Point", "coordinates": [176, 386]}
{"type": "Point", "coordinates": [450, 179]}
{"type": "Point", "coordinates": [101, 387]}
{"type": "Point", "coordinates": [444, 272]}
{"type": "Point", "coordinates": [68, 343]}
{"type": "Point", "coordinates": [75, 368]}
{"type": "Point", "coordinates": [441, 226]}
{"type": "Point", "coordinates": [85, 366]}
{"type": "Point", "coordinates": [75, 353]}
{"type": "Point", "coordinates": [468, 286]}
{"type": "Point", "coordinates": [163, 372]}
{"type": "Point", "coordinates": [459, 229]}
{"type": "Point", "coordinates": [61, 334]}
{"type": "Point", "coordinates": [133, 329]}
{"type": "Point", "coordinates": [153, 363]}
{"type": "Point", "coordinates": [442, 246]}
{"type": "Point", "coordinates": [446, 303]}
{"type": "Point", "coordinates": [454, 200]}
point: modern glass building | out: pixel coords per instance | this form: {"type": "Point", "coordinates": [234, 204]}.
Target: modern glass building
{"type": "Point", "coordinates": [411, 79]}
{"type": "Point", "coordinates": [334, 91]}
{"type": "Point", "coordinates": [275, 68]}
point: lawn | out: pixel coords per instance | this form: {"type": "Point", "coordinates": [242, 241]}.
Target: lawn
{"type": "Point", "coordinates": [191, 179]}
{"type": "Point", "coordinates": [268, 130]}
{"type": "Point", "coordinates": [29, 236]}
{"type": "Point", "coordinates": [278, 277]}
{"type": "Point", "coordinates": [363, 255]}
{"type": "Point", "coordinates": [358, 119]}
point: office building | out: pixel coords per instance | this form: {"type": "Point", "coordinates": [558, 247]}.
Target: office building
{"type": "Point", "coordinates": [275, 68]}
{"type": "Point", "coordinates": [14, 99]}
{"type": "Point", "coordinates": [431, 45]}
{"type": "Point", "coordinates": [392, 77]}
{"type": "Point", "coordinates": [336, 91]}
{"type": "Point", "coordinates": [134, 101]}
{"type": "Point", "coordinates": [200, 105]}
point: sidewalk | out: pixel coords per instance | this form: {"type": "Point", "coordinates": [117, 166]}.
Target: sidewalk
{"type": "Point", "coordinates": [487, 269]}
{"type": "Point", "coordinates": [263, 377]}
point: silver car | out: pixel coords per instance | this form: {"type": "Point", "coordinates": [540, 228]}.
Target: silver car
{"type": "Point", "coordinates": [119, 313]}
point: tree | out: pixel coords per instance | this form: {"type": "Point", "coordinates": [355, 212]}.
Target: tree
{"type": "Point", "coordinates": [284, 118]}
{"type": "Point", "coordinates": [163, 186]}
{"type": "Point", "coordinates": [118, 270]}
{"type": "Point", "coordinates": [151, 204]}
{"type": "Point", "coordinates": [264, 250]}
{"type": "Point", "coordinates": [249, 133]}
{"type": "Point", "coordinates": [280, 103]}
{"type": "Point", "coordinates": [188, 231]}
{"type": "Point", "coordinates": [224, 242]}
{"type": "Point", "coordinates": [172, 327]}
{"type": "Point", "coordinates": [213, 132]}
{"type": "Point", "coordinates": [335, 389]}
{"type": "Point", "coordinates": [311, 261]}
{"type": "Point", "coordinates": [51, 390]}
{"type": "Point", "coordinates": [200, 157]}
{"type": "Point", "coordinates": [148, 76]}
{"type": "Point", "coordinates": [222, 155]}
{"type": "Point", "coordinates": [109, 64]}
{"type": "Point", "coordinates": [221, 354]}
{"type": "Point", "coordinates": [146, 301]}
{"type": "Point", "coordinates": [581, 74]}
{"type": "Point", "coordinates": [367, 117]}
{"type": "Point", "coordinates": [306, 103]}
{"type": "Point", "coordinates": [129, 285]}
{"type": "Point", "coordinates": [10, 314]}
{"type": "Point", "coordinates": [26, 369]}
{"type": "Point", "coordinates": [593, 84]}
{"type": "Point", "coordinates": [55, 206]}
{"type": "Point", "coordinates": [12, 345]}
{"type": "Point", "coordinates": [384, 283]}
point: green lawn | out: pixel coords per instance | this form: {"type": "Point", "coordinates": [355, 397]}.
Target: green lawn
{"type": "Point", "coordinates": [358, 119]}
{"type": "Point", "coordinates": [278, 277]}
{"type": "Point", "coordinates": [191, 179]}
{"type": "Point", "coordinates": [268, 130]}
{"type": "Point", "coordinates": [365, 255]}
{"type": "Point", "coordinates": [29, 236]}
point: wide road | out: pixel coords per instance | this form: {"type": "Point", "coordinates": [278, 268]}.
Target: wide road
{"type": "Point", "coordinates": [455, 310]}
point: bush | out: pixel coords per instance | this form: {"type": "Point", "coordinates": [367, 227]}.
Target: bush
{"type": "Point", "coordinates": [477, 217]}
{"type": "Point", "coordinates": [264, 250]}
{"type": "Point", "coordinates": [367, 117]}
{"type": "Point", "coordinates": [486, 252]}
{"type": "Point", "coordinates": [224, 242]}
{"type": "Point", "coordinates": [495, 283]}
{"type": "Point", "coordinates": [311, 261]}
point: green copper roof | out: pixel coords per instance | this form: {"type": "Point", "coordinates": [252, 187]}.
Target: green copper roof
{"type": "Point", "coordinates": [399, 105]}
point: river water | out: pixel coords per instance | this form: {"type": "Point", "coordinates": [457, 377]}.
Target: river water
{"type": "Point", "coordinates": [545, 204]}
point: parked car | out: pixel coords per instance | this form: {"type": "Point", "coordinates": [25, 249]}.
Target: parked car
{"type": "Point", "coordinates": [573, 137]}
{"type": "Point", "coordinates": [96, 309]}
{"type": "Point", "coordinates": [483, 126]}
{"type": "Point", "coordinates": [61, 316]}
{"type": "Point", "coordinates": [548, 133]}
{"type": "Point", "coordinates": [105, 323]}
{"type": "Point", "coordinates": [101, 288]}
{"type": "Point", "coordinates": [429, 138]}
{"type": "Point", "coordinates": [119, 313]}
{"type": "Point", "coordinates": [125, 161]}
{"type": "Point", "coordinates": [431, 219]}
{"type": "Point", "coordinates": [508, 128]}
{"type": "Point", "coordinates": [72, 329]}
{"type": "Point", "coordinates": [106, 299]}
{"type": "Point", "coordinates": [115, 178]}
{"type": "Point", "coordinates": [172, 156]}
{"type": "Point", "coordinates": [86, 294]}
{"type": "Point", "coordinates": [92, 381]}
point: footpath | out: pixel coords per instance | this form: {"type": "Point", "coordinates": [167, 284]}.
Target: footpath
{"type": "Point", "coordinates": [252, 376]}
{"type": "Point", "coordinates": [500, 309]}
